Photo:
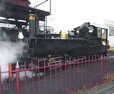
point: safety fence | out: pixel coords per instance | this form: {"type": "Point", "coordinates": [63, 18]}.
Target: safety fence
{"type": "Point", "coordinates": [65, 77]}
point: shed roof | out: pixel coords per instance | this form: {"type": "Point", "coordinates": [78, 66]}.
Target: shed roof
{"type": "Point", "coordinates": [18, 12]}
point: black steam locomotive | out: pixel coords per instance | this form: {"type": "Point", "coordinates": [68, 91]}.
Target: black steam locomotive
{"type": "Point", "coordinates": [70, 44]}
{"type": "Point", "coordinates": [46, 46]}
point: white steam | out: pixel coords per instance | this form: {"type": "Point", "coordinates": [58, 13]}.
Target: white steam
{"type": "Point", "coordinates": [28, 74]}
{"type": "Point", "coordinates": [9, 52]}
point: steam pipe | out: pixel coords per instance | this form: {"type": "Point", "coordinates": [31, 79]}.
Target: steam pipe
{"type": "Point", "coordinates": [46, 24]}
{"type": "Point", "coordinates": [44, 29]}
{"type": "Point", "coordinates": [50, 7]}
{"type": "Point", "coordinates": [32, 32]}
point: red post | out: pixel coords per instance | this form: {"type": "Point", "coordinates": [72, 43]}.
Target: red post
{"type": "Point", "coordinates": [98, 73]}
{"type": "Point", "coordinates": [101, 68]}
{"type": "Point", "coordinates": [25, 79]}
{"type": "Point", "coordinates": [44, 77]}
{"type": "Point", "coordinates": [89, 72]}
{"type": "Point", "coordinates": [10, 69]}
{"type": "Point", "coordinates": [32, 77]}
{"type": "Point", "coordinates": [109, 69]}
{"type": "Point", "coordinates": [17, 79]}
{"type": "Point", "coordinates": [106, 68]}
{"type": "Point", "coordinates": [95, 70]}
{"type": "Point", "coordinates": [50, 79]}
{"type": "Point", "coordinates": [55, 77]}
{"type": "Point", "coordinates": [60, 76]}
{"type": "Point", "coordinates": [74, 75]}
{"type": "Point", "coordinates": [69, 74]}
{"type": "Point", "coordinates": [92, 71]}
{"type": "Point", "coordinates": [9, 76]}
{"type": "Point", "coordinates": [38, 77]}
{"type": "Point", "coordinates": [82, 73]}
{"type": "Point", "coordinates": [65, 76]}
{"type": "Point", "coordinates": [78, 75]}
{"type": "Point", "coordinates": [85, 70]}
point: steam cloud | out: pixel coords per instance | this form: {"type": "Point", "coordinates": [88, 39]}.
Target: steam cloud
{"type": "Point", "coordinates": [9, 52]}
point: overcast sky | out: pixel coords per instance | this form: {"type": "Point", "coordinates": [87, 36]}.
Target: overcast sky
{"type": "Point", "coordinates": [71, 13]}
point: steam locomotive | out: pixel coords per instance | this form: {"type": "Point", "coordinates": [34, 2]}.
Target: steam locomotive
{"type": "Point", "coordinates": [70, 45]}
{"type": "Point", "coordinates": [47, 46]}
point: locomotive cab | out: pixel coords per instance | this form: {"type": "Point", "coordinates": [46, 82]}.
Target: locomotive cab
{"type": "Point", "coordinates": [99, 32]}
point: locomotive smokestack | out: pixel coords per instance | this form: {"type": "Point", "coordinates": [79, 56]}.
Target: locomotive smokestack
{"type": "Point", "coordinates": [32, 31]}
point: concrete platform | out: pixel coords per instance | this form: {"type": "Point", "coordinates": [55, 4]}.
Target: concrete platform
{"type": "Point", "coordinates": [102, 89]}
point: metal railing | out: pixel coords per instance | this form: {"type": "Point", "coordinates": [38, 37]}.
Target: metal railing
{"type": "Point", "coordinates": [72, 76]}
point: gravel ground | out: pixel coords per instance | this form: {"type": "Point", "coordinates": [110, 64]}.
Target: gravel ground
{"type": "Point", "coordinates": [109, 91]}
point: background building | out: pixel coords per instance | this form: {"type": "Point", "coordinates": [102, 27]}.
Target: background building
{"type": "Point", "coordinates": [110, 24]}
